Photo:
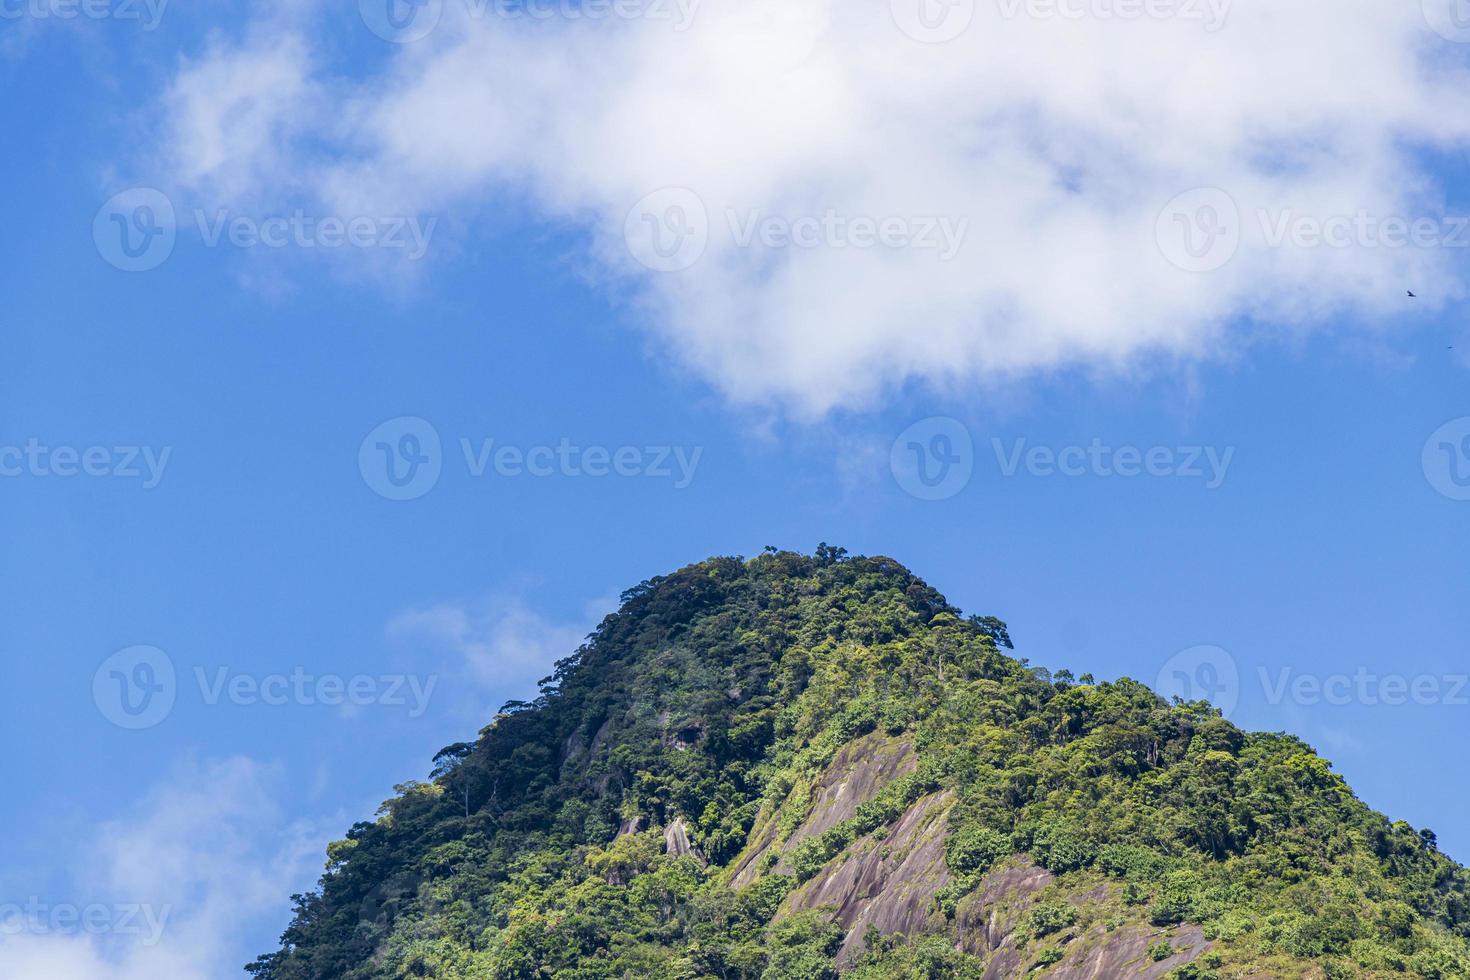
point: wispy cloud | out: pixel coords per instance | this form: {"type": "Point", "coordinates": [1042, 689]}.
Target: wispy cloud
{"type": "Point", "coordinates": [505, 643]}
{"type": "Point", "coordinates": [168, 889]}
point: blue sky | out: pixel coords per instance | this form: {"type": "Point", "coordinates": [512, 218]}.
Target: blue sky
{"type": "Point", "coordinates": [1294, 519]}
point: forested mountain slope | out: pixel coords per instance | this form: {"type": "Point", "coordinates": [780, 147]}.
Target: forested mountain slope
{"type": "Point", "coordinates": [794, 766]}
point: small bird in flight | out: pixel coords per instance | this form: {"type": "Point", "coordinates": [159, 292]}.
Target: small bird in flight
{"type": "Point", "coordinates": [1411, 295]}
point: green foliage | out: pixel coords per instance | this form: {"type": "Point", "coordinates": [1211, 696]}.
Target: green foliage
{"type": "Point", "coordinates": [722, 693]}
{"type": "Point", "coordinates": [1061, 849]}
{"type": "Point", "coordinates": [1048, 956]}
{"type": "Point", "coordinates": [1176, 899]}
{"type": "Point", "coordinates": [1131, 862]}
{"type": "Point", "coordinates": [1192, 971]}
{"type": "Point", "coordinates": [1045, 918]}
{"type": "Point", "coordinates": [922, 958]}
{"type": "Point", "coordinates": [973, 849]}
{"type": "Point", "coordinates": [802, 947]}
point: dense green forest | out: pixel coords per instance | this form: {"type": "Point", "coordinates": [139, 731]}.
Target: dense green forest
{"type": "Point", "coordinates": [793, 766]}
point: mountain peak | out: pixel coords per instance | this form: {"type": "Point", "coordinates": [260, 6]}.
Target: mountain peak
{"type": "Point", "coordinates": [799, 765]}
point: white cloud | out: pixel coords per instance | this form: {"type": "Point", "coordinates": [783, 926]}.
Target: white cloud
{"type": "Point", "coordinates": [237, 111]}
{"type": "Point", "coordinates": [175, 884]}
{"type": "Point", "coordinates": [1059, 140]}
{"type": "Point", "coordinates": [506, 644]}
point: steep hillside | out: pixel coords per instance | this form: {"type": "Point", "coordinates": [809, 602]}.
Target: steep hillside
{"type": "Point", "coordinates": [798, 765]}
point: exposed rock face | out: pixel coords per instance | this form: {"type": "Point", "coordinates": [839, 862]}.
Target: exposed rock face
{"type": "Point", "coordinates": [1102, 955]}
{"type": "Point", "coordinates": [888, 881]}
{"type": "Point", "coordinates": [573, 750]}
{"type": "Point", "coordinates": [677, 843]}
{"type": "Point", "coordinates": [888, 884]}
{"type": "Point", "coordinates": [856, 775]}
{"type": "Point", "coordinates": [577, 759]}
{"type": "Point", "coordinates": [632, 825]}
{"type": "Point", "coordinates": [858, 772]}
{"type": "Point", "coordinates": [988, 917]}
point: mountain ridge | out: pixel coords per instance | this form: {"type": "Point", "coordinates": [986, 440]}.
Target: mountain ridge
{"type": "Point", "coordinates": [795, 766]}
